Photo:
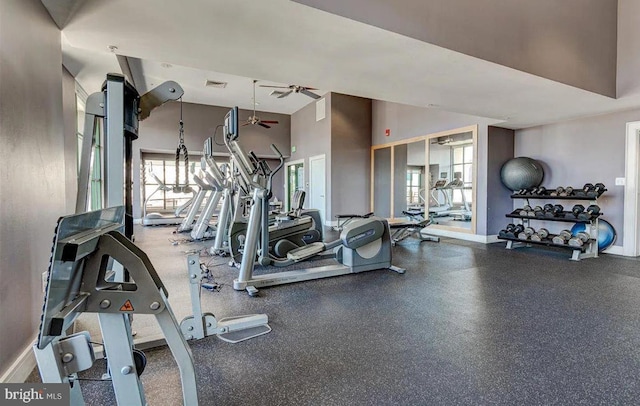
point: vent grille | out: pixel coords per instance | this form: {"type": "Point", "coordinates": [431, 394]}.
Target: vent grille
{"type": "Point", "coordinates": [215, 83]}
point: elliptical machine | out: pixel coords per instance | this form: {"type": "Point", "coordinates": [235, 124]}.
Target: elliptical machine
{"type": "Point", "coordinates": [364, 244]}
{"type": "Point", "coordinates": [286, 231]}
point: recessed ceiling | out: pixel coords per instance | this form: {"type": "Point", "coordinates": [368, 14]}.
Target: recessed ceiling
{"type": "Point", "coordinates": [286, 42]}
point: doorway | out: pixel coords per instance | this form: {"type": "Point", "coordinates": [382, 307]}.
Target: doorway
{"type": "Point", "coordinates": [294, 181]}
{"type": "Point", "coordinates": [317, 184]}
{"type": "Point", "coordinates": [631, 230]}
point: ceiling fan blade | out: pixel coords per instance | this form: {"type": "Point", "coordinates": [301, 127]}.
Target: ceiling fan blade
{"type": "Point", "coordinates": [245, 124]}
{"type": "Point", "coordinates": [285, 94]}
{"type": "Point", "coordinates": [277, 87]}
{"type": "Point", "coordinates": [269, 121]}
{"type": "Point", "coordinates": [309, 88]}
{"type": "Point", "coordinates": [261, 124]}
{"type": "Point", "coordinates": [308, 93]}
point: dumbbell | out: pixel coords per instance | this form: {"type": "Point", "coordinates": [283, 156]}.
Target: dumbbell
{"type": "Point", "coordinates": [579, 239]}
{"type": "Point", "coordinates": [598, 189]}
{"type": "Point", "coordinates": [511, 231]}
{"type": "Point", "coordinates": [518, 229]}
{"type": "Point", "coordinates": [568, 191]}
{"type": "Point", "coordinates": [540, 235]}
{"type": "Point", "coordinates": [557, 192]}
{"type": "Point", "coordinates": [526, 233]}
{"type": "Point", "coordinates": [557, 210]}
{"type": "Point", "coordinates": [525, 211]}
{"type": "Point", "coordinates": [508, 231]}
{"type": "Point", "coordinates": [542, 191]}
{"type": "Point", "coordinates": [538, 211]}
{"type": "Point", "coordinates": [587, 188]}
{"type": "Point", "coordinates": [562, 238]}
{"type": "Point", "coordinates": [590, 212]}
{"type": "Point", "coordinates": [575, 211]}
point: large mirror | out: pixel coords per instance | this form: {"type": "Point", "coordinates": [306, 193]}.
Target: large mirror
{"type": "Point", "coordinates": [451, 180]}
{"type": "Point", "coordinates": [432, 177]}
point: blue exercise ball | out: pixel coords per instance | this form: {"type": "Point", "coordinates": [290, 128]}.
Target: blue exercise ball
{"type": "Point", "coordinates": [606, 233]}
{"type": "Point", "coordinates": [521, 173]}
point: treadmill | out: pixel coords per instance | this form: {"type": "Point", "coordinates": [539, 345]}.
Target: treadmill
{"type": "Point", "coordinates": [159, 219]}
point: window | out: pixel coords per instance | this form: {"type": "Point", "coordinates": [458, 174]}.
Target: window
{"type": "Point", "coordinates": [164, 168]}
{"type": "Point", "coordinates": [462, 164]}
{"type": "Point", "coordinates": [95, 169]}
{"type": "Point", "coordinates": [414, 182]}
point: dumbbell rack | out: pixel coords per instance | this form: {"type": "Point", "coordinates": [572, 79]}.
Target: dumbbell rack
{"type": "Point", "coordinates": [588, 250]}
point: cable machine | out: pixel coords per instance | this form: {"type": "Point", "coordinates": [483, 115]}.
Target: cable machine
{"type": "Point", "coordinates": [121, 108]}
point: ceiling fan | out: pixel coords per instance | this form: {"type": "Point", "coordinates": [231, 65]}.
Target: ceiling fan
{"type": "Point", "coordinates": [293, 89]}
{"type": "Point", "coordinates": [442, 140]}
{"type": "Point", "coordinates": [255, 119]}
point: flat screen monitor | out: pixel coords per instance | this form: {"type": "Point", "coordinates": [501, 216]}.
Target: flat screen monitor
{"type": "Point", "coordinates": [231, 124]}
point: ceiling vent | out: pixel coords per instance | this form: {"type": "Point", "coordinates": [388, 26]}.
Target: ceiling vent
{"type": "Point", "coordinates": [215, 83]}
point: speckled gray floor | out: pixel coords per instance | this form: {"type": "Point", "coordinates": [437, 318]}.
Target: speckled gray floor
{"type": "Point", "coordinates": [467, 324]}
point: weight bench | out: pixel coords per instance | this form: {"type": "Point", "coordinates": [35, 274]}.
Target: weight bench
{"type": "Point", "coordinates": [344, 219]}
{"type": "Point", "coordinates": [402, 230]}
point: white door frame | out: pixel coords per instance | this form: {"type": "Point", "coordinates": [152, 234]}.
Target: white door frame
{"type": "Point", "coordinates": [313, 158]}
{"type": "Point", "coordinates": [631, 231]}
{"type": "Point", "coordinates": [286, 181]}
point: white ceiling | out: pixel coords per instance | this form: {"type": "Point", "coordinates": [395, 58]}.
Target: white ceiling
{"type": "Point", "coordinates": [285, 42]}
{"type": "Point", "coordinates": [238, 92]}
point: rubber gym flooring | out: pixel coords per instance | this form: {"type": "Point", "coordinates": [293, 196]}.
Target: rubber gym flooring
{"type": "Point", "coordinates": [467, 324]}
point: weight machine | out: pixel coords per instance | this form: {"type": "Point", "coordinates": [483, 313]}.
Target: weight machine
{"type": "Point", "coordinates": [120, 108]}
{"type": "Point", "coordinates": [79, 281]}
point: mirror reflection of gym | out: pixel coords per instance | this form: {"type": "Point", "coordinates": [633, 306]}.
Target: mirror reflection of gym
{"type": "Point", "coordinates": [450, 179]}
{"type": "Point", "coordinates": [429, 177]}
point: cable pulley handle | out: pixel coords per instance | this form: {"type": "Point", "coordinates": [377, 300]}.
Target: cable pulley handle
{"type": "Point", "coordinates": [182, 149]}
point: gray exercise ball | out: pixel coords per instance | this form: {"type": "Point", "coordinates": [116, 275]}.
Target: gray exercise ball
{"type": "Point", "coordinates": [521, 173]}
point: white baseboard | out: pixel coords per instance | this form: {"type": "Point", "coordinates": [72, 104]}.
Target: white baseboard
{"type": "Point", "coordinates": [484, 239]}
{"type": "Point", "coordinates": [21, 367]}
{"type": "Point", "coordinates": [615, 250]}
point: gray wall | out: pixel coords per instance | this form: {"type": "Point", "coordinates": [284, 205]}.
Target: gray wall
{"type": "Point", "coordinates": [32, 170]}
{"type": "Point", "coordinates": [408, 121]}
{"type": "Point", "coordinates": [500, 150]}
{"type": "Point", "coordinates": [350, 155]}
{"type": "Point", "coordinates": [159, 133]}
{"type": "Point", "coordinates": [311, 137]}
{"type": "Point", "coordinates": [382, 182]}
{"type": "Point", "coordinates": [580, 151]}
{"type": "Point", "coordinates": [568, 41]}
{"type": "Point", "coordinates": [628, 48]}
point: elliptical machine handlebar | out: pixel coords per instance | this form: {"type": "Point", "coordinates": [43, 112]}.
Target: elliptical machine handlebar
{"type": "Point", "coordinates": [280, 165]}
{"type": "Point", "coordinates": [280, 157]}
